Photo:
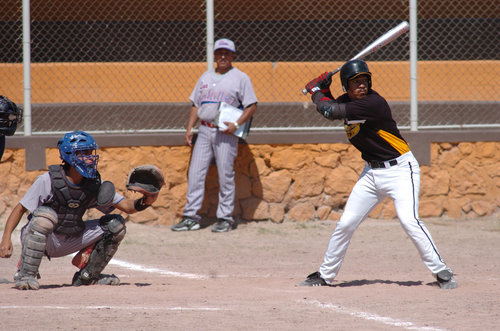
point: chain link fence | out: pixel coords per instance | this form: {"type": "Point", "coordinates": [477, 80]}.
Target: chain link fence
{"type": "Point", "coordinates": [130, 66]}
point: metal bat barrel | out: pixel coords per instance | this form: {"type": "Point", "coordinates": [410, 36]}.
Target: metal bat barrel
{"type": "Point", "coordinates": [388, 37]}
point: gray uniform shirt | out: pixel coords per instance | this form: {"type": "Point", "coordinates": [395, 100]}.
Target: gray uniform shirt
{"type": "Point", "coordinates": [41, 192]}
{"type": "Point", "coordinates": [234, 88]}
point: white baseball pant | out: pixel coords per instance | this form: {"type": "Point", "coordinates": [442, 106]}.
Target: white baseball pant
{"type": "Point", "coordinates": [401, 183]}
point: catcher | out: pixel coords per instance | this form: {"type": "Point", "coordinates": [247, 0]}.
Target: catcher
{"type": "Point", "coordinates": [57, 201]}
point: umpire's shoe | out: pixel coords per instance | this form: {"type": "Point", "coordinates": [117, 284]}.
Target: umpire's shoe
{"type": "Point", "coordinates": [314, 279]}
{"type": "Point", "coordinates": [187, 224]}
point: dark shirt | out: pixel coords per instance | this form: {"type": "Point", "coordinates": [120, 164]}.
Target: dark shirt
{"type": "Point", "coordinates": [371, 129]}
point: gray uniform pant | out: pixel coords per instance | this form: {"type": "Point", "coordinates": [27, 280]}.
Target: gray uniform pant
{"type": "Point", "coordinates": [59, 245]}
{"type": "Point", "coordinates": [224, 147]}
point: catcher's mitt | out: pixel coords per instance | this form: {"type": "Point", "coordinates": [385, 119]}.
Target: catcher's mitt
{"type": "Point", "coordinates": [146, 179]}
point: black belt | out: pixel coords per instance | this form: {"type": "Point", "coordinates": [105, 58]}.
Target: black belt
{"type": "Point", "coordinates": [376, 165]}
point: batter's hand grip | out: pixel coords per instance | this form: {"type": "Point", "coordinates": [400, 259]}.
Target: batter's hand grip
{"type": "Point", "coordinates": [331, 73]}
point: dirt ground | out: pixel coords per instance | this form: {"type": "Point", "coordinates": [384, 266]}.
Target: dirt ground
{"type": "Point", "coordinates": [246, 280]}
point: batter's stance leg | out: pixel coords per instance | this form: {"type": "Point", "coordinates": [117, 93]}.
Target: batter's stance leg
{"type": "Point", "coordinates": [363, 199]}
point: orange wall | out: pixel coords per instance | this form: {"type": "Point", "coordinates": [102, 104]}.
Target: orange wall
{"type": "Point", "coordinates": [173, 82]}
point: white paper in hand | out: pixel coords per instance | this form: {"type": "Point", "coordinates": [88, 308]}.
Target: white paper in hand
{"type": "Point", "coordinates": [230, 114]}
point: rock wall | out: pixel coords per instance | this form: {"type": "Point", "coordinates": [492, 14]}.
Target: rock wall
{"type": "Point", "coordinates": [298, 182]}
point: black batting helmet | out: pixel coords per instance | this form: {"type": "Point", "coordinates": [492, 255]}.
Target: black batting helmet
{"type": "Point", "coordinates": [352, 69]}
{"type": "Point", "coordinates": [10, 115]}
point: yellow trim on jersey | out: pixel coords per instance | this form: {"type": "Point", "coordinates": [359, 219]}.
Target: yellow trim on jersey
{"type": "Point", "coordinates": [400, 145]}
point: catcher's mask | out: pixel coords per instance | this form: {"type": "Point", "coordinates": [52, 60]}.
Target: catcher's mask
{"type": "Point", "coordinates": [10, 115]}
{"type": "Point", "coordinates": [79, 150]}
{"type": "Point", "coordinates": [353, 69]}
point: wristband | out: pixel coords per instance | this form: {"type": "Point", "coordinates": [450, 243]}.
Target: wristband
{"type": "Point", "coordinates": [236, 125]}
{"type": "Point", "coordinates": [139, 204]}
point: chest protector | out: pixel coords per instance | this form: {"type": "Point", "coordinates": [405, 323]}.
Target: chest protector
{"type": "Point", "coordinates": [70, 202]}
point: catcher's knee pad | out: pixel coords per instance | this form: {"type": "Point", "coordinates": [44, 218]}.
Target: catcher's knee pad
{"type": "Point", "coordinates": [44, 220]}
{"type": "Point", "coordinates": [42, 224]}
{"type": "Point", "coordinates": [114, 232]}
{"type": "Point", "coordinates": [114, 225]}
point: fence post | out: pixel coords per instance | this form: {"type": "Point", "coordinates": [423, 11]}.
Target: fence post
{"type": "Point", "coordinates": [27, 67]}
{"type": "Point", "coordinates": [413, 67]}
{"type": "Point", "coordinates": [210, 34]}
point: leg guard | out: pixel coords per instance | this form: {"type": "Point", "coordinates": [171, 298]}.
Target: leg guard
{"type": "Point", "coordinates": [114, 232]}
{"type": "Point", "coordinates": [41, 225]}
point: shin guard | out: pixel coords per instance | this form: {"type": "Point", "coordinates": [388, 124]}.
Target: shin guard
{"type": "Point", "coordinates": [41, 225]}
{"type": "Point", "coordinates": [114, 232]}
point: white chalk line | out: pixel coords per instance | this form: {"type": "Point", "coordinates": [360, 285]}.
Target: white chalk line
{"type": "Point", "coordinates": [110, 307]}
{"type": "Point", "coordinates": [137, 267]}
{"type": "Point", "coordinates": [371, 317]}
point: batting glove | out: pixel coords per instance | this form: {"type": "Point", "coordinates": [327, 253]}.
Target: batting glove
{"type": "Point", "coordinates": [321, 83]}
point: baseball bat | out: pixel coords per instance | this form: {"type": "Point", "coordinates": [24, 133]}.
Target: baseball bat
{"type": "Point", "coordinates": [386, 38]}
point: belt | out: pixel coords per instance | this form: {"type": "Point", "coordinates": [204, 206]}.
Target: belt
{"type": "Point", "coordinates": [210, 125]}
{"type": "Point", "coordinates": [376, 165]}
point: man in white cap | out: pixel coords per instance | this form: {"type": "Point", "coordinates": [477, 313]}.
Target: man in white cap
{"type": "Point", "coordinates": [222, 84]}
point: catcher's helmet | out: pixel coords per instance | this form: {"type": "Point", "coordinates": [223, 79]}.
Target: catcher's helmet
{"type": "Point", "coordinates": [10, 115]}
{"type": "Point", "coordinates": [352, 69]}
{"type": "Point", "coordinates": [79, 150]}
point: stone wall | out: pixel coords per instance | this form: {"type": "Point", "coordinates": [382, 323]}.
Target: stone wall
{"type": "Point", "coordinates": [298, 182]}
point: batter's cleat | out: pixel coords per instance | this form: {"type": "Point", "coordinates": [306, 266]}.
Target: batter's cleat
{"type": "Point", "coordinates": [103, 279]}
{"type": "Point", "coordinates": [222, 226]}
{"type": "Point", "coordinates": [446, 280]}
{"type": "Point", "coordinates": [187, 224]}
{"type": "Point", "coordinates": [314, 279]}
{"type": "Point", "coordinates": [27, 283]}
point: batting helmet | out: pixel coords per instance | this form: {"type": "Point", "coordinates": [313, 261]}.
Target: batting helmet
{"type": "Point", "coordinates": [352, 69]}
{"type": "Point", "coordinates": [79, 150]}
{"type": "Point", "coordinates": [10, 115]}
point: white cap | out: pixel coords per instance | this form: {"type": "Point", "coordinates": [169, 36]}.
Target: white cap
{"type": "Point", "coordinates": [226, 44]}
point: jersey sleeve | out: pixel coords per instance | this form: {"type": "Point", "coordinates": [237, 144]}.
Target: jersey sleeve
{"type": "Point", "coordinates": [195, 95]}
{"type": "Point", "coordinates": [38, 194]}
{"type": "Point", "coordinates": [248, 96]}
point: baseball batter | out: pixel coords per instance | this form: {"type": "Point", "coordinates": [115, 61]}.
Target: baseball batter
{"type": "Point", "coordinates": [391, 170]}
{"type": "Point", "coordinates": [57, 201]}
{"type": "Point", "coordinates": [232, 86]}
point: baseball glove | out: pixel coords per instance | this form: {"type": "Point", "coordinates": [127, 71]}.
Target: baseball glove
{"type": "Point", "coordinates": [146, 179]}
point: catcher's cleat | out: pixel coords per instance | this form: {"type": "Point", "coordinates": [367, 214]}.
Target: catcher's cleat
{"type": "Point", "coordinates": [187, 224]}
{"type": "Point", "coordinates": [446, 280]}
{"type": "Point", "coordinates": [103, 279]}
{"type": "Point", "coordinates": [27, 283]}
{"type": "Point", "coordinates": [314, 279]}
